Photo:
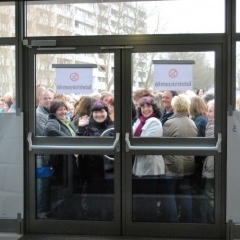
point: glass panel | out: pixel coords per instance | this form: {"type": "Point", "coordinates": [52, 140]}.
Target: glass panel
{"type": "Point", "coordinates": [238, 76]}
{"type": "Point", "coordinates": [79, 80]}
{"type": "Point", "coordinates": [7, 15]}
{"type": "Point", "coordinates": [185, 193]}
{"type": "Point", "coordinates": [123, 18]}
{"type": "Point", "coordinates": [164, 75]}
{"type": "Point", "coordinates": [237, 16]}
{"type": "Point", "coordinates": [7, 79]}
{"type": "Point", "coordinates": [74, 187]}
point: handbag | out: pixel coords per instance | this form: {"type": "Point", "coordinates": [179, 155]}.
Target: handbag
{"type": "Point", "coordinates": [43, 170]}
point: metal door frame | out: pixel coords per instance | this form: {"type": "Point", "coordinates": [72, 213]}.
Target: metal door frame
{"type": "Point", "coordinates": [204, 42]}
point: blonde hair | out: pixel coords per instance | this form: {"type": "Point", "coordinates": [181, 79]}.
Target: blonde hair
{"type": "Point", "coordinates": [197, 106]}
{"type": "Point", "coordinates": [181, 104]}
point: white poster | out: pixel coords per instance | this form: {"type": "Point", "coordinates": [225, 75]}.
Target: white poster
{"type": "Point", "coordinates": [173, 76]}
{"type": "Point", "coordinates": [74, 80]}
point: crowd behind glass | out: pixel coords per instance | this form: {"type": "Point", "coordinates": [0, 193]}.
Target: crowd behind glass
{"type": "Point", "coordinates": [174, 182]}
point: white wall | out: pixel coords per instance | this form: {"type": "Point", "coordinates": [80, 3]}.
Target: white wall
{"type": "Point", "coordinates": [233, 168]}
{"type": "Point", "coordinates": [11, 165]}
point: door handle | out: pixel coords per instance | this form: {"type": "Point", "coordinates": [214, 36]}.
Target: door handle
{"type": "Point", "coordinates": [54, 147]}
{"type": "Point", "coordinates": [214, 148]}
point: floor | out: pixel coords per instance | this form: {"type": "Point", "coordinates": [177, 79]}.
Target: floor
{"type": "Point", "coordinates": [14, 236]}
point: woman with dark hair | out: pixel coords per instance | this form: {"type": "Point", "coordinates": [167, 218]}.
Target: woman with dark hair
{"type": "Point", "coordinates": [58, 126]}
{"type": "Point", "coordinates": [147, 169]}
{"type": "Point", "coordinates": [93, 167]}
{"type": "Point", "coordinates": [148, 125]}
{"type": "Point", "coordinates": [200, 92]}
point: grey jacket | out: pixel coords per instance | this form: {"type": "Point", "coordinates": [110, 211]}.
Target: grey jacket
{"type": "Point", "coordinates": [208, 163]}
{"type": "Point", "coordinates": [180, 126]}
{"type": "Point", "coordinates": [41, 119]}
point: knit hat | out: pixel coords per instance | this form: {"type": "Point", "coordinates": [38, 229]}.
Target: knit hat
{"type": "Point", "coordinates": [148, 101]}
{"type": "Point", "coordinates": [99, 105]}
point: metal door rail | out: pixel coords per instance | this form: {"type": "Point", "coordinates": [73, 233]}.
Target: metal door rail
{"type": "Point", "coordinates": [176, 147]}
{"type": "Point", "coordinates": [54, 147]}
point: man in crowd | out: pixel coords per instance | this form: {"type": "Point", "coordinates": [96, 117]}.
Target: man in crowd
{"type": "Point", "coordinates": [39, 89]}
{"type": "Point", "coordinates": [42, 111]}
{"type": "Point", "coordinates": [167, 110]}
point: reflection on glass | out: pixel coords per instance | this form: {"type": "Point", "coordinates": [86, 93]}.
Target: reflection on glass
{"type": "Point", "coordinates": [7, 15]}
{"type": "Point", "coordinates": [238, 76]}
{"type": "Point", "coordinates": [163, 75]}
{"type": "Point", "coordinates": [123, 18]}
{"type": "Point", "coordinates": [8, 79]}
{"type": "Point", "coordinates": [186, 198]}
{"type": "Point", "coordinates": [74, 187]}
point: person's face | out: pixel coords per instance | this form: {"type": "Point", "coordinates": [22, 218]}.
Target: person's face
{"type": "Point", "coordinates": [136, 103]}
{"type": "Point", "coordinates": [71, 110]}
{"type": "Point", "coordinates": [61, 113]}
{"type": "Point", "coordinates": [39, 90]}
{"type": "Point", "coordinates": [100, 116]}
{"type": "Point", "coordinates": [166, 99]}
{"type": "Point", "coordinates": [72, 101]}
{"type": "Point", "coordinates": [146, 110]}
{"type": "Point", "coordinates": [6, 108]}
{"type": "Point", "coordinates": [106, 99]}
{"type": "Point", "coordinates": [46, 99]}
{"type": "Point", "coordinates": [200, 93]}
{"type": "Point", "coordinates": [110, 108]}
{"type": "Point", "coordinates": [1, 104]}
{"type": "Point", "coordinates": [210, 113]}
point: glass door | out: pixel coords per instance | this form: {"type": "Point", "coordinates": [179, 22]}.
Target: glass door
{"type": "Point", "coordinates": [102, 182]}
{"type": "Point", "coordinates": [174, 170]}
{"type": "Point", "coordinates": [74, 149]}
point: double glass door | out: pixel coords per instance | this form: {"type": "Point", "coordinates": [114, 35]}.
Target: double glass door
{"type": "Point", "coordinates": [83, 182]}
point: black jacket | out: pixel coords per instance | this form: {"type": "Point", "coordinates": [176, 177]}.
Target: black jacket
{"type": "Point", "coordinates": [92, 166]}
{"type": "Point", "coordinates": [54, 127]}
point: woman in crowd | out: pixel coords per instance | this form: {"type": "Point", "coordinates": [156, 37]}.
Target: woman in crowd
{"type": "Point", "coordinates": [92, 166]}
{"type": "Point", "coordinates": [200, 92]}
{"type": "Point", "coordinates": [179, 169]}
{"type": "Point", "coordinates": [198, 111]}
{"type": "Point", "coordinates": [147, 168]}
{"type": "Point", "coordinates": [111, 108]}
{"type": "Point", "coordinates": [208, 171]}
{"type": "Point", "coordinates": [82, 108]}
{"type": "Point", "coordinates": [58, 126]}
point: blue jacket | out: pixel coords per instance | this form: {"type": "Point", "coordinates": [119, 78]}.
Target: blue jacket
{"type": "Point", "coordinates": [201, 123]}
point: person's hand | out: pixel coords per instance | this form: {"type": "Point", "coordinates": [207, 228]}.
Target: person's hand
{"type": "Point", "coordinates": [83, 121]}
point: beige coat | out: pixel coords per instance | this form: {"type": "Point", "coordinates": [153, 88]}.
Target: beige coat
{"type": "Point", "coordinates": [180, 126]}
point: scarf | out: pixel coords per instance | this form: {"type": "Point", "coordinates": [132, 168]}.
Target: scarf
{"type": "Point", "coordinates": [142, 119]}
{"type": "Point", "coordinates": [67, 123]}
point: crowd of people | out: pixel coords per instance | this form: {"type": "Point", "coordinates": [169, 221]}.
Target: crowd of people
{"type": "Point", "coordinates": [154, 114]}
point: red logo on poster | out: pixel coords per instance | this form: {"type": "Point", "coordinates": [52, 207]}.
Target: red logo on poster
{"type": "Point", "coordinates": [74, 76]}
{"type": "Point", "coordinates": [173, 73]}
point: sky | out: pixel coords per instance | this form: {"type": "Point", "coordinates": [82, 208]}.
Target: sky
{"type": "Point", "coordinates": [189, 16]}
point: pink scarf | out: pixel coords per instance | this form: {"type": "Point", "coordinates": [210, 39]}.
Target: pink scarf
{"type": "Point", "coordinates": [142, 119]}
